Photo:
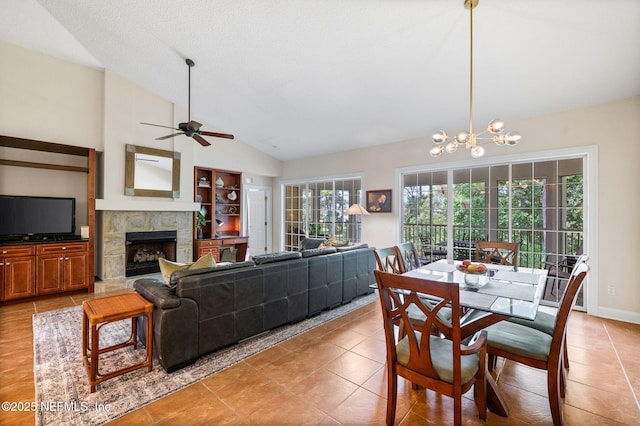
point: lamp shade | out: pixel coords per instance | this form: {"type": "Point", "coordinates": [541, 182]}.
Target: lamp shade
{"type": "Point", "coordinates": [356, 209]}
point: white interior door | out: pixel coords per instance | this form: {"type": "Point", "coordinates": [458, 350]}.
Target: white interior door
{"type": "Point", "coordinates": [258, 219]}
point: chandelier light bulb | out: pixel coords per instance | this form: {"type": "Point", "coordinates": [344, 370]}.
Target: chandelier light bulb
{"type": "Point", "coordinates": [477, 151]}
{"type": "Point", "coordinates": [462, 136]}
{"type": "Point", "coordinates": [440, 136]}
{"type": "Point", "coordinates": [436, 151]}
{"type": "Point", "coordinates": [513, 138]}
{"type": "Point", "coordinates": [496, 126]}
{"type": "Point", "coordinates": [451, 147]}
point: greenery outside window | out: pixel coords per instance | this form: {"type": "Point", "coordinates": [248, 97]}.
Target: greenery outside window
{"type": "Point", "coordinates": [538, 204]}
{"type": "Point", "coordinates": [316, 210]}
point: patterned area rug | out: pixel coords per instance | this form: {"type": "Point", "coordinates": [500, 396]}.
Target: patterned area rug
{"type": "Point", "coordinates": [62, 387]}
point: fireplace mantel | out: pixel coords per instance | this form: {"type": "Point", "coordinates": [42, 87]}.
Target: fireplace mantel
{"type": "Point", "coordinates": [132, 205]}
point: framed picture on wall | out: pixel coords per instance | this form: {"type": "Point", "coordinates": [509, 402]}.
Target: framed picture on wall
{"type": "Point", "coordinates": [379, 201]}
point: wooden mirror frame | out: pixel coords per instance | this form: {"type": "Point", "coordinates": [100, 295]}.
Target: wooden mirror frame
{"type": "Point", "coordinates": [129, 173]}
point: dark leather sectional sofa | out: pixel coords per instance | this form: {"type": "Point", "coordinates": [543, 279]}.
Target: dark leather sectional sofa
{"type": "Point", "coordinates": [203, 310]}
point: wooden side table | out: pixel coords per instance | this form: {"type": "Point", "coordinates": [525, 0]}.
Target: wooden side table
{"type": "Point", "coordinates": [98, 312]}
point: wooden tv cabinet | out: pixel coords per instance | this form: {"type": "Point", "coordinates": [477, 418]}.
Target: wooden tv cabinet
{"type": "Point", "coordinates": [28, 270]}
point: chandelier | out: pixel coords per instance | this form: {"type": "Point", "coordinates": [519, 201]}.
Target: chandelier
{"type": "Point", "coordinates": [468, 139]}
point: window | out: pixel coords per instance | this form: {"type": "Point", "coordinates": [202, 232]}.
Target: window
{"type": "Point", "coordinates": [536, 203]}
{"type": "Point", "coordinates": [316, 210]}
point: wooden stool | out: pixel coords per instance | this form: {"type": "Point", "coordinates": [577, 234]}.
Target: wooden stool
{"type": "Point", "coordinates": [98, 312]}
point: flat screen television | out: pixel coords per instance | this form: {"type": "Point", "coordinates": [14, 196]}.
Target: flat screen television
{"type": "Point", "coordinates": [36, 217]}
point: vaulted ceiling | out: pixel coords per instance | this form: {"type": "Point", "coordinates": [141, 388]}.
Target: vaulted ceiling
{"type": "Point", "coordinates": [301, 78]}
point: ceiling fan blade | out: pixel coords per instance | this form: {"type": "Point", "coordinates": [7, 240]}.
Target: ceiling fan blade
{"type": "Point", "coordinates": [194, 125]}
{"type": "Point", "coordinates": [202, 141]}
{"type": "Point", "coordinates": [168, 136]}
{"type": "Point", "coordinates": [159, 125]}
{"type": "Point", "coordinates": [217, 135]}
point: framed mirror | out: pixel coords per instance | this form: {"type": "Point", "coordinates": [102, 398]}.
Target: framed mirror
{"type": "Point", "coordinates": [151, 172]}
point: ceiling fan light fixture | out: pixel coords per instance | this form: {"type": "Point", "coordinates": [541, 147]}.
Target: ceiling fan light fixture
{"type": "Point", "coordinates": [191, 128]}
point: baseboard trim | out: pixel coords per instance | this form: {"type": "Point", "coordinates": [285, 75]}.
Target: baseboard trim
{"type": "Point", "coordinates": [618, 315]}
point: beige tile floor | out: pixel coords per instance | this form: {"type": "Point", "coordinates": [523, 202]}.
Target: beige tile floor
{"type": "Point", "coordinates": [335, 375]}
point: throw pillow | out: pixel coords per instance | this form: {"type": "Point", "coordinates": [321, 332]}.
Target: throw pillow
{"type": "Point", "coordinates": [168, 267]}
{"type": "Point", "coordinates": [229, 255]}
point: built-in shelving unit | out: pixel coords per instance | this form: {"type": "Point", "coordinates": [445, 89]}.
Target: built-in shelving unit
{"type": "Point", "coordinates": [219, 193]}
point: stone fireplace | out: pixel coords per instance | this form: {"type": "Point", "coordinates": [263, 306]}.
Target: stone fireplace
{"type": "Point", "coordinates": [113, 227]}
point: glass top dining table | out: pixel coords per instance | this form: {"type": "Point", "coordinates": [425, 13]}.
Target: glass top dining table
{"type": "Point", "coordinates": [503, 290]}
{"type": "Point", "coordinates": [499, 294]}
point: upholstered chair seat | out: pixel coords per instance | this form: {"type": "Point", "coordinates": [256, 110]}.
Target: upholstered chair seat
{"type": "Point", "coordinates": [442, 358]}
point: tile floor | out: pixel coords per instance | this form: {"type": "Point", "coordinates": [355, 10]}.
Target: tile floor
{"type": "Point", "coordinates": [335, 375]}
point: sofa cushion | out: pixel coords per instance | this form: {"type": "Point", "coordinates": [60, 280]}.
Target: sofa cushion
{"type": "Point", "coordinates": [168, 267]}
{"type": "Point", "coordinates": [311, 243]}
{"type": "Point", "coordinates": [276, 257]}
{"type": "Point", "coordinates": [318, 251]}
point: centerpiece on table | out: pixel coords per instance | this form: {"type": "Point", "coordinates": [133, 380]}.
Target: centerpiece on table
{"type": "Point", "coordinates": [472, 272]}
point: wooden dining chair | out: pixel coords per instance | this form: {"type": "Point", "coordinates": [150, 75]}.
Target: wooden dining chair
{"type": "Point", "coordinates": [408, 257]}
{"type": "Point", "coordinates": [497, 252]}
{"type": "Point", "coordinates": [440, 363]}
{"type": "Point", "coordinates": [387, 260]}
{"type": "Point", "coordinates": [546, 321]}
{"type": "Point", "coordinates": [536, 348]}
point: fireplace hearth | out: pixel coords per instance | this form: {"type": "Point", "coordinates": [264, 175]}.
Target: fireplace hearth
{"type": "Point", "coordinates": [143, 249]}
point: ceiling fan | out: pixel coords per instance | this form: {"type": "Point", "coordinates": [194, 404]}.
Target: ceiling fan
{"type": "Point", "coordinates": [191, 128]}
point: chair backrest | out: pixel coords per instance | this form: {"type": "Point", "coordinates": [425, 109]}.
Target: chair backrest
{"type": "Point", "coordinates": [387, 260]}
{"type": "Point", "coordinates": [498, 252]}
{"type": "Point", "coordinates": [400, 293]}
{"type": "Point", "coordinates": [568, 300]}
{"type": "Point", "coordinates": [408, 258]}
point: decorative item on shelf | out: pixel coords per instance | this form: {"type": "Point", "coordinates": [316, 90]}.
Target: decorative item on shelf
{"type": "Point", "coordinates": [199, 198]}
{"type": "Point", "coordinates": [218, 199]}
{"type": "Point", "coordinates": [219, 182]}
{"type": "Point", "coordinates": [468, 139]}
{"type": "Point", "coordinates": [219, 222]}
{"type": "Point", "coordinates": [233, 210]}
{"type": "Point", "coordinates": [203, 182]}
{"type": "Point", "coordinates": [201, 221]}
{"type": "Point", "coordinates": [232, 196]}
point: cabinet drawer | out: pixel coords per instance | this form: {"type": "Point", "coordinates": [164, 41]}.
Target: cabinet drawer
{"type": "Point", "coordinates": [63, 248]}
{"type": "Point", "coordinates": [6, 251]}
{"type": "Point", "coordinates": [205, 250]}
{"type": "Point", "coordinates": [207, 243]}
